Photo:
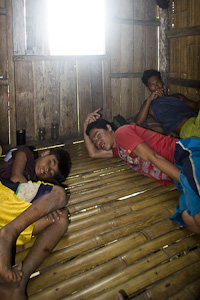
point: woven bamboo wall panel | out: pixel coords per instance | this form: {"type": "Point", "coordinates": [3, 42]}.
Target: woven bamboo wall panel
{"type": "Point", "coordinates": [185, 50]}
{"type": "Point", "coordinates": [185, 13]}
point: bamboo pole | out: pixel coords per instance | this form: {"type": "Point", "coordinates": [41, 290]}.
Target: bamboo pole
{"type": "Point", "coordinates": [99, 200]}
{"type": "Point", "coordinates": [88, 244]}
{"type": "Point", "coordinates": [113, 188]}
{"type": "Point", "coordinates": [129, 257]}
{"type": "Point", "coordinates": [121, 223]}
{"type": "Point", "coordinates": [190, 291]}
{"type": "Point", "coordinates": [174, 287]}
{"type": "Point", "coordinates": [76, 226]}
{"type": "Point", "coordinates": [87, 261]}
{"type": "Point", "coordinates": [104, 180]}
{"type": "Point", "coordinates": [111, 269]}
{"type": "Point", "coordinates": [141, 281]}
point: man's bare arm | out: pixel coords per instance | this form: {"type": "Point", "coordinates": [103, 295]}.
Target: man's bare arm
{"type": "Point", "coordinates": [190, 103]}
{"type": "Point", "coordinates": [144, 151]}
{"type": "Point", "coordinates": [145, 108]}
{"type": "Point", "coordinates": [18, 167]}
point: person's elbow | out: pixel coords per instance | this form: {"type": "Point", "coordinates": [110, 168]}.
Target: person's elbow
{"type": "Point", "coordinates": [18, 178]}
{"type": "Point", "coordinates": [97, 154]}
{"type": "Point", "coordinates": [101, 154]}
{"type": "Point", "coordinates": [93, 155]}
{"type": "Point", "coordinates": [138, 121]}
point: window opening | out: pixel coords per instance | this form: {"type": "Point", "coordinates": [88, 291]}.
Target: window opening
{"type": "Point", "coordinates": [76, 27]}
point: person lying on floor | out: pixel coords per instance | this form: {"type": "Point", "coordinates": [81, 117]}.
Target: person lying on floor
{"type": "Point", "coordinates": [154, 155]}
{"type": "Point", "coordinates": [27, 210]}
{"type": "Point", "coordinates": [52, 166]}
{"type": "Point", "coordinates": [175, 113]}
{"type": "Point", "coordinates": [99, 138]}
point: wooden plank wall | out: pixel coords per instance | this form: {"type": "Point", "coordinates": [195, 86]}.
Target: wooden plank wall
{"type": "Point", "coordinates": [66, 89]}
{"type": "Point", "coordinates": [184, 39]}
{"type": "Point", "coordinates": [133, 48]}
{"type": "Point", "coordinates": [3, 76]}
{"type": "Point", "coordinates": [60, 91]}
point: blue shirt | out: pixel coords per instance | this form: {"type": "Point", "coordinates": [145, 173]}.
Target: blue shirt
{"type": "Point", "coordinates": [170, 112]}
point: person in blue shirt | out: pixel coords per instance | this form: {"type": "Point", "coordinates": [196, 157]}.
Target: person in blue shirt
{"type": "Point", "coordinates": [175, 113]}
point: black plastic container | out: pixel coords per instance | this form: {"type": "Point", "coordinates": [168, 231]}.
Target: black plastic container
{"type": "Point", "coordinates": [21, 137]}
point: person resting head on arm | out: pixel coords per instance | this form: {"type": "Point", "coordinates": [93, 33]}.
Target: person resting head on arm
{"type": "Point", "coordinates": [30, 209]}
{"type": "Point", "coordinates": [99, 136]}
{"type": "Point", "coordinates": [158, 156]}
{"type": "Point", "coordinates": [52, 165]}
{"type": "Point", "coordinates": [100, 143]}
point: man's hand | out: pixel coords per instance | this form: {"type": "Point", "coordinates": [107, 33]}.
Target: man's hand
{"type": "Point", "coordinates": [55, 215]}
{"type": "Point", "coordinates": [92, 117]}
{"type": "Point", "coordinates": [155, 94]}
{"type": "Point", "coordinates": [144, 111]}
{"type": "Point", "coordinates": [195, 105]}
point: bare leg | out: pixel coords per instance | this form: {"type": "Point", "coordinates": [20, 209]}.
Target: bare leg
{"type": "Point", "coordinates": [192, 223]}
{"type": "Point", "coordinates": [8, 274]}
{"type": "Point", "coordinates": [44, 244]}
{"type": "Point", "coordinates": [45, 204]}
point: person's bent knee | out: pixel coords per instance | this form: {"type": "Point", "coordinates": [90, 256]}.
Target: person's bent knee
{"type": "Point", "coordinates": [63, 221]}
{"type": "Point", "coordinates": [60, 194]}
{"type": "Point", "coordinates": [190, 222]}
{"type": "Point", "coordinates": [197, 218]}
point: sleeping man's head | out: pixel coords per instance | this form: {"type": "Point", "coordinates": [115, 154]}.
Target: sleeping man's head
{"type": "Point", "coordinates": [101, 134]}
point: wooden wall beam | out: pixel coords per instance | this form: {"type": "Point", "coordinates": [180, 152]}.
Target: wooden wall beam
{"type": "Point", "coordinates": [164, 45]}
{"type": "Point", "coordinates": [181, 32]}
{"type": "Point", "coordinates": [135, 22]}
{"type": "Point", "coordinates": [11, 73]}
{"type": "Point", "coordinates": [184, 82]}
{"type": "Point", "coordinates": [56, 58]}
{"type": "Point", "coordinates": [125, 75]}
{"type": "Point", "coordinates": [4, 81]}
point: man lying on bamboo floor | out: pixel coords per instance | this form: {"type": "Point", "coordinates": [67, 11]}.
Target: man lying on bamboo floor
{"type": "Point", "coordinates": [175, 113]}
{"type": "Point", "coordinates": [161, 157]}
{"type": "Point", "coordinates": [28, 209]}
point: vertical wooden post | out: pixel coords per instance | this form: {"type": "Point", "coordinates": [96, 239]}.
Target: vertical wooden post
{"type": "Point", "coordinates": [164, 45]}
{"type": "Point", "coordinates": [11, 73]}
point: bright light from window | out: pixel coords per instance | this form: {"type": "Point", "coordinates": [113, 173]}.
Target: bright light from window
{"type": "Point", "coordinates": [76, 27]}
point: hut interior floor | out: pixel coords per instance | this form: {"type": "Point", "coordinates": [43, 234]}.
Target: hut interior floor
{"type": "Point", "coordinates": [120, 237]}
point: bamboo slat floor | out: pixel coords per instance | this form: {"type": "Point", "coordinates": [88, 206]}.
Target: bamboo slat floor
{"type": "Point", "coordinates": [120, 237]}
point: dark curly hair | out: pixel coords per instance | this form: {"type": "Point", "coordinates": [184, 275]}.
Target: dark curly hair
{"type": "Point", "coordinates": [100, 123]}
{"type": "Point", "coordinates": [64, 163]}
{"type": "Point", "coordinates": [148, 74]}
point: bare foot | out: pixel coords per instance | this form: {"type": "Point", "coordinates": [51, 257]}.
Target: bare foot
{"type": "Point", "coordinates": [12, 291]}
{"type": "Point", "coordinates": [7, 272]}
